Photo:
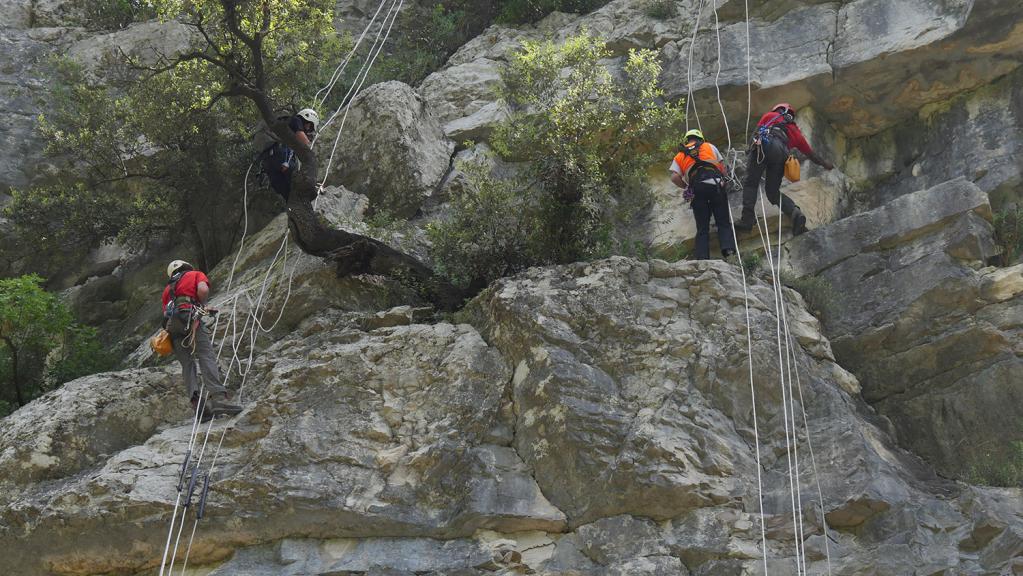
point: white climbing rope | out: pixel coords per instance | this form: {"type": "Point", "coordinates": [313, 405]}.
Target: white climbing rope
{"type": "Point", "coordinates": [765, 239]}
{"type": "Point", "coordinates": [357, 86]}
{"type": "Point", "coordinates": [689, 75]}
{"type": "Point", "coordinates": [717, 76]}
{"type": "Point", "coordinates": [339, 71]}
{"type": "Point", "coordinates": [745, 289]}
{"type": "Point", "coordinates": [813, 459]}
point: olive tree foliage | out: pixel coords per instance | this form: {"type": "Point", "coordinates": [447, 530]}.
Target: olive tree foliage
{"type": "Point", "coordinates": [138, 161]}
{"type": "Point", "coordinates": [40, 346]}
{"type": "Point", "coordinates": [587, 137]}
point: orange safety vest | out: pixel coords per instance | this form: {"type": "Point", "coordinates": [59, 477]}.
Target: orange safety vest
{"type": "Point", "coordinates": [705, 153]}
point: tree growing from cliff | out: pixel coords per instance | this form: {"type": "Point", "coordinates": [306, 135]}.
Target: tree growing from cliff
{"type": "Point", "coordinates": [587, 139]}
{"type": "Point", "coordinates": [254, 50]}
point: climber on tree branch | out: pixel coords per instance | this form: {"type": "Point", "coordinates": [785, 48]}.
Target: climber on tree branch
{"type": "Point", "coordinates": [260, 50]}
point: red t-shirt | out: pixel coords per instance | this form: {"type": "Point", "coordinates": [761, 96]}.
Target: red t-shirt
{"type": "Point", "coordinates": [187, 286]}
{"type": "Point", "coordinates": [796, 138]}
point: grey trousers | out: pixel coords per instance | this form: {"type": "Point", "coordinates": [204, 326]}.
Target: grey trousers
{"type": "Point", "coordinates": [203, 358]}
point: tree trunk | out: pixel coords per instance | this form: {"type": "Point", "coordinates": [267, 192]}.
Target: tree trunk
{"type": "Point", "coordinates": [352, 253]}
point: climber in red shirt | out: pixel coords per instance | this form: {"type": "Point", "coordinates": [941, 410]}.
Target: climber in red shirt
{"type": "Point", "coordinates": [776, 134]}
{"type": "Point", "coordinates": [184, 299]}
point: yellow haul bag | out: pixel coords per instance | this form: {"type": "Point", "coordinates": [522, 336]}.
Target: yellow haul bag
{"type": "Point", "coordinates": [161, 343]}
{"type": "Point", "coordinates": [792, 169]}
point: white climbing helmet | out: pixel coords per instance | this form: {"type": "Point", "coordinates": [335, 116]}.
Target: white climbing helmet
{"type": "Point", "coordinates": [173, 267]}
{"type": "Point", "coordinates": [309, 115]}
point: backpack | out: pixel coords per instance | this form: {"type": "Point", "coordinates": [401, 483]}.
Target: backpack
{"type": "Point", "coordinates": [700, 164]}
{"type": "Point", "coordinates": [177, 320]}
{"type": "Point", "coordinates": [271, 153]}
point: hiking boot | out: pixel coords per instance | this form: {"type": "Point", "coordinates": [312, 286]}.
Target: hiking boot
{"type": "Point", "coordinates": [745, 224]}
{"type": "Point", "coordinates": [205, 413]}
{"type": "Point", "coordinates": [221, 407]}
{"type": "Point", "coordinates": [798, 223]}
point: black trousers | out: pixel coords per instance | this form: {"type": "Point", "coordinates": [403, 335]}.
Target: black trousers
{"type": "Point", "coordinates": [280, 182]}
{"type": "Point", "coordinates": [772, 169]}
{"type": "Point", "coordinates": [711, 200]}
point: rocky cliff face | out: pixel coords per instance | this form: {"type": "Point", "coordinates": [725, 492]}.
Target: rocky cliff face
{"type": "Point", "coordinates": [934, 336]}
{"type": "Point", "coordinates": [595, 418]}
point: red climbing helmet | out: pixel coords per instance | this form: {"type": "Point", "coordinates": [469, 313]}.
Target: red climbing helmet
{"type": "Point", "coordinates": [784, 108]}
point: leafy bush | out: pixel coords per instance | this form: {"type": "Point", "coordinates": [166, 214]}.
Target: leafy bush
{"type": "Point", "coordinates": [490, 232]}
{"type": "Point", "coordinates": [751, 262]}
{"type": "Point", "coordinates": [1008, 225]}
{"type": "Point", "coordinates": [660, 9]}
{"type": "Point", "coordinates": [586, 139]}
{"type": "Point", "coordinates": [587, 136]}
{"type": "Point", "coordinates": [33, 325]}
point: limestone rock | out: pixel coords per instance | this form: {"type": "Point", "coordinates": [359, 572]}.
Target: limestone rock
{"type": "Point", "coordinates": [341, 207]}
{"type": "Point", "coordinates": [146, 41]}
{"type": "Point", "coordinates": [393, 149]}
{"type": "Point", "coordinates": [934, 341]}
{"type": "Point", "coordinates": [607, 429]}
{"type": "Point", "coordinates": [464, 97]}
{"type": "Point", "coordinates": [85, 421]}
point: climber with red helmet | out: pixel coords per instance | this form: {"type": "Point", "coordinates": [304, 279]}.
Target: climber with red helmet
{"type": "Point", "coordinates": [699, 169]}
{"type": "Point", "coordinates": [184, 306]}
{"type": "Point", "coordinates": [776, 134]}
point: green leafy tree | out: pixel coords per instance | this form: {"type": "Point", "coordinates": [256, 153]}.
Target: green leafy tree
{"type": "Point", "coordinates": [588, 136]}
{"type": "Point", "coordinates": [262, 52]}
{"type": "Point", "coordinates": [40, 345]}
{"type": "Point", "coordinates": [587, 139]}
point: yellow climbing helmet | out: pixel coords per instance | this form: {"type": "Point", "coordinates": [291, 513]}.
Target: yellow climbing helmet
{"type": "Point", "coordinates": [694, 134]}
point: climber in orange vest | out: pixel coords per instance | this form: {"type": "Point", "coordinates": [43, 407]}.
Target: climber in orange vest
{"type": "Point", "coordinates": [776, 134]}
{"type": "Point", "coordinates": [699, 169]}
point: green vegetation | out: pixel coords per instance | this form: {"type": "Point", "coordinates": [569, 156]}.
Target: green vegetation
{"type": "Point", "coordinates": [524, 11]}
{"type": "Point", "coordinates": [490, 233]}
{"type": "Point", "coordinates": [1008, 224]}
{"type": "Point", "coordinates": [160, 154]}
{"type": "Point", "coordinates": [40, 346]}
{"type": "Point", "coordinates": [1004, 469]}
{"type": "Point", "coordinates": [660, 9]}
{"type": "Point", "coordinates": [751, 262]}
{"type": "Point", "coordinates": [586, 138]}
{"type": "Point", "coordinates": [816, 291]}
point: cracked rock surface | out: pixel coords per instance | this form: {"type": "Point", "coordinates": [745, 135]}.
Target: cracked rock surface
{"type": "Point", "coordinates": [596, 420]}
